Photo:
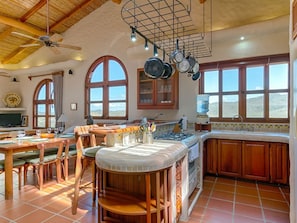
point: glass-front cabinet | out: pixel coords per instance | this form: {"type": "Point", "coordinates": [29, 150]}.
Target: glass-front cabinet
{"type": "Point", "coordinates": [157, 93]}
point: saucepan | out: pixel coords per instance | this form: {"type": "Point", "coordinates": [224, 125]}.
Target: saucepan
{"type": "Point", "coordinates": [154, 67]}
{"type": "Point", "coordinates": [176, 56]}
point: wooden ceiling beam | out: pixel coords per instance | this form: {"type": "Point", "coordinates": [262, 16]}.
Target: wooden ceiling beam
{"type": "Point", "coordinates": [73, 11]}
{"type": "Point", "coordinates": [6, 33]}
{"type": "Point", "coordinates": [33, 10]}
{"type": "Point", "coordinates": [20, 25]}
{"type": "Point", "coordinates": [117, 1]}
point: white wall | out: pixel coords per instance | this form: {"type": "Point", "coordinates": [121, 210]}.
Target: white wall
{"type": "Point", "coordinates": [99, 36]}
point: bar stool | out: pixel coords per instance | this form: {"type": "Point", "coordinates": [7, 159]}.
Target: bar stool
{"type": "Point", "coordinates": [86, 150]}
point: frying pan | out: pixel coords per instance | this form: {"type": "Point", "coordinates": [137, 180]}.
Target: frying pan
{"type": "Point", "coordinates": [169, 70]}
{"type": "Point", "coordinates": [154, 68]}
{"type": "Point", "coordinates": [183, 66]}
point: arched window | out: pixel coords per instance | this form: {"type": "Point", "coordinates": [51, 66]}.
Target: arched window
{"type": "Point", "coordinates": [106, 92]}
{"type": "Point", "coordinates": [43, 105]}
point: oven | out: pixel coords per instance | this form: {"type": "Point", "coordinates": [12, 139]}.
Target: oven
{"type": "Point", "coordinates": [193, 155]}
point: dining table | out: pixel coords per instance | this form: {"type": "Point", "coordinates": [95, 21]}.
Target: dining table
{"type": "Point", "coordinates": [11, 146]}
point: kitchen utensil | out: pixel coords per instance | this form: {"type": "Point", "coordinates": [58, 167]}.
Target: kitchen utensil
{"type": "Point", "coordinates": [176, 56]}
{"type": "Point", "coordinates": [196, 76]}
{"type": "Point", "coordinates": [183, 66]}
{"type": "Point", "coordinates": [169, 71]}
{"type": "Point", "coordinates": [154, 67]}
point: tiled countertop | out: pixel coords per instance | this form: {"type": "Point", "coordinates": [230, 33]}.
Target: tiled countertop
{"type": "Point", "coordinates": [245, 135]}
{"type": "Point", "coordinates": [140, 157]}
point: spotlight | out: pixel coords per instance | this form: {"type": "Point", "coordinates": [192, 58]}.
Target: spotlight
{"type": "Point", "coordinates": [133, 35]}
{"type": "Point", "coordinates": [146, 45]}
{"type": "Point", "coordinates": [155, 50]}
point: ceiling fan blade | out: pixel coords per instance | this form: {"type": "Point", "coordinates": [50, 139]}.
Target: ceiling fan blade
{"type": "Point", "coordinates": [24, 35]}
{"type": "Point", "coordinates": [56, 37]}
{"type": "Point", "coordinates": [54, 50]}
{"type": "Point", "coordinates": [30, 45]}
{"type": "Point", "coordinates": [68, 46]}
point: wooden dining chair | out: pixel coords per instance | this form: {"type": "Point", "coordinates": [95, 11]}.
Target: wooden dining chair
{"type": "Point", "coordinates": [86, 149]}
{"type": "Point", "coordinates": [17, 165]}
{"type": "Point", "coordinates": [45, 159]}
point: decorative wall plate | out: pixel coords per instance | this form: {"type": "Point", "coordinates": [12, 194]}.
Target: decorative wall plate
{"type": "Point", "coordinates": [12, 100]}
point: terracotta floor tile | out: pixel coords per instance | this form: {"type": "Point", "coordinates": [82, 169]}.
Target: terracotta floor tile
{"type": "Point", "coordinates": [3, 220]}
{"type": "Point", "coordinates": [246, 191]}
{"type": "Point", "coordinates": [225, 181]}
{"type": "Point", "coordinates": [18, 211]}
{"type": "Point", "coordinates": [246, 184]}
{"type": "Point", "coordinates": [221, 205]}
{"type": "Point", "coordinates": [202, 201]}
{"type": "Point", "coordinates": [58, 206]}
{"type": "Point", "coordinates": [245, 219]}
{"type": "Point", "coordinates": [222, 195]}
{"type": "Point", "coordinates": [35, 217]}
{"type": "Point", "coordinates": [206, 192]}
{"type": "Point", "coordinates": [58, 219]}
{"type": "Point", "coordinates": [276, 216]}
{"type": "Point", "coordinates": [275, 205]}
{"type": "Point", "coordinates": [216, 216]}
{"type": "Point", "coordinates": [224, 187]}
{"type": "Point", "coordinates": [248, 211]}
{"type": "Point", "coordinates": [272, 195]}
{"type": "Point", "coordinates": [246, 199]}
{"type": "Point", "coordinates": [268, 187]}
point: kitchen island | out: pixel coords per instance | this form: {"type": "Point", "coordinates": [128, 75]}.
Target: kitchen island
{"type": "Point", "coordinates": [142, 182]}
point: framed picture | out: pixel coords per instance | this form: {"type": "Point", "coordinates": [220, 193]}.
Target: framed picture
{"type": "Point", "coordinates": [294, 19]}
{"type": "Point", "coordinates": [73, 106]}
{"type": "Point", "coordinates": [25, 120]}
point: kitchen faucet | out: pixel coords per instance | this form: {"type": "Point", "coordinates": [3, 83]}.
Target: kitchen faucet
{"type": "Point", "coordinates": [238, 116]}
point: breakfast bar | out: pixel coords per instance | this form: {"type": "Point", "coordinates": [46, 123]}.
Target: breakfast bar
{"type": "Point", "coordinates": [142, 181]}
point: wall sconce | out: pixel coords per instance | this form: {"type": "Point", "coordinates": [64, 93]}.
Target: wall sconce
{"type": "Point", "coordinates": [133, 34]}
{"type": "Point", "coordinates": [155, 50]}
{"type": "Point", "coordinates": [70, 72]}
{"type": "Point", "coordinates": [146, 45]}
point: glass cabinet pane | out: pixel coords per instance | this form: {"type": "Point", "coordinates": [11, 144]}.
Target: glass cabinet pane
{"type": "Point", "coordinates": [164, 88]}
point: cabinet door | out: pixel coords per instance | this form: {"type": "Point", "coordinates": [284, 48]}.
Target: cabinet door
{"type": "Point", "coordinates": [211, 156]}
{"type": "Point", "coordinates": [255, 160]}
{"type": "Point", "coordinates": [229, 158]}
{"type": "Point", "coordinates": [279, 163]}
{"type": "Point", "coordinates": [157, 93]}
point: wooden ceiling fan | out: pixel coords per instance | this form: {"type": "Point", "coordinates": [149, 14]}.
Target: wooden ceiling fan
{"type": "Point", "coordinates": [50, 42]}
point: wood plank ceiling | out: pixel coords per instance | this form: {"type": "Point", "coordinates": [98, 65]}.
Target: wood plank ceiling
{"type": "Point", "coordinates": [30, 18]}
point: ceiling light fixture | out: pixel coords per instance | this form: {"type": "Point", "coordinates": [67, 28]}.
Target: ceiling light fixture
{"type": "Point", "coordinates": [155, 50]}
{"type": "Point", "coordinates": [133, 34]}
{"type": "Point", "coordinates": [146, 45]}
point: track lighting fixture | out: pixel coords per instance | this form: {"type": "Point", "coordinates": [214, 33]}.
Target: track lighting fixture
{"type": "Point", "coordinates": [133, 34]}
{"type": "Point", "coordinates": [155, 50]}
{"type": "Point", "coordinates": [146, 45]}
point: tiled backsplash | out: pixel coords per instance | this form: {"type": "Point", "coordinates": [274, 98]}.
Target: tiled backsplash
{"type": "Point", "coordinates": [259, 127]}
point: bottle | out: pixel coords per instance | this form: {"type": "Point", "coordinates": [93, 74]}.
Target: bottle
{"type": "Point", "coordinates": [185, 122]}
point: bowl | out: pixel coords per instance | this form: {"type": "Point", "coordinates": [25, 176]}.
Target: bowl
{"type": "Point", "coordinates": [47, 135]}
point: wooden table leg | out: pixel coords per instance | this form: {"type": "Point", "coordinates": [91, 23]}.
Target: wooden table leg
{"type": "Point", "coordinates": [8, 175]}
{"type": "Point", "coordinates": [78, 173]}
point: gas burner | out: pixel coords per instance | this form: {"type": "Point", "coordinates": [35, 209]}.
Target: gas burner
{"type": "Point", "coordinates": [174, 136]}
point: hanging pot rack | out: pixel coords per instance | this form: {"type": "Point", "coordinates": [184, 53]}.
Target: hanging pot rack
{"type": "Point", "coordinates": [162, 22]}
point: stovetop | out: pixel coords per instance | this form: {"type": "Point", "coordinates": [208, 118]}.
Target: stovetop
{"type": "Point", "coordinates": [174, 136]}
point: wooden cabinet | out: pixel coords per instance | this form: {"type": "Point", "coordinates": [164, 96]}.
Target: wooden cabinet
{"type": "Point", "coordinates": [157, 93]}
{"type": "Point", "coordinates": [262, 161]}
{"type": "Point", "coordinates": [229, 158]}
{"type": "Point", "coordinates": [211, 156]}
{"type": "Point", "coordinates": [279, 163]}
{"type": "Point", "coordinates": [255, 160]}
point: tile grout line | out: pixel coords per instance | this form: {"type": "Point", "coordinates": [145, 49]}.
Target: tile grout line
{"type": "Point", "coordinates": [261, 205]}
{"type": "Point", "coordinates": [284, 196]}
{"type": "Point", "coordinates": [208, 200]}
{"type": "Point", "coordinates": [234, 201]}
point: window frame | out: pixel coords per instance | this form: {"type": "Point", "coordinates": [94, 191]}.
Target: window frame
{"type": "Point", "coordinates": [105, 84]}
{"type": "Point", "coordinates": [242, 64]}
{"type": "Point", "coordinates": [48, 103]}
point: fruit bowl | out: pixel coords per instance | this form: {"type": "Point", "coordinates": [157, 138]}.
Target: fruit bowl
{"type": "Point", "coordinates": [47, 135]}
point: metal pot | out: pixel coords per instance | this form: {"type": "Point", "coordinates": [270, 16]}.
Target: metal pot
{"type": "Point", "coordinates": [154, 68]}
{"type": "Point", "coordinates": [183, 66]}
{"type": "Point", "coordinates": [192, 62]}
{"type": "Point", "coordinates": [169, 70]}
{"type": "Point", "coordinates": [176, 56]}
{"type": "Point", "coordinates": [196, 76]}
